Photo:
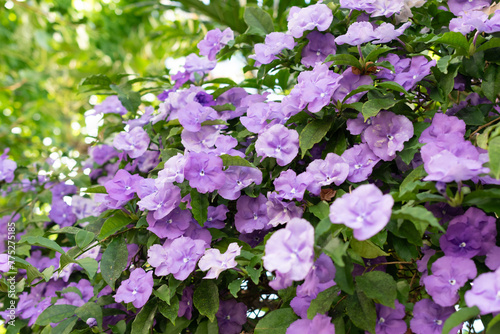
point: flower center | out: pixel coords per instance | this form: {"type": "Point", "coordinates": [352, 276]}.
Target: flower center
{"type": "Point", "coordinates": [185, 260]}
{"type": "Point", "coordinates": [278, 149]}
{"type": "Point", "coordinates": [381, 320]}
{"type": "Point", "coordinates": [438, 322]}
{"type": "Point", "coordinates": [452, 282]}
{"type": "Point", "coordinates": [358, 166]}
{"type": "Point", "coordinates": [318, 53]}
{"type": "Point", "coordinates": [134, 292]}
{"type": "Point", "coordinates": [255, 216]}
{"type": "Point", "coordinates": [462, 245]}
{"type": "Point", "coordinates": [390, 137]}
{"type": "Point", "coordinates": [202, 172]}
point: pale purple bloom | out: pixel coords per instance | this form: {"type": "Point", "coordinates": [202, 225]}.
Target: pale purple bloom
{"type": "Point", "coordinates": [231, 316]}
{"type": "Point", "coordinates": [320, 324]}
{"type": "Point", "coordinates": [316, 87]}
{"type": "Point", "coordinates": [429, 317]}
{"type": "Point", "coordinates": [257, 115]}
{"type": "Point", "coordinates": [102, 153]}
{"type": "Point", "coordinates": [358, 33]}
{"type": "Point", "coordinates": [186, 303]}
{"type": "Point", "coordinates": [214, 41]}
{"type": "Point", "coordinates": [422, 263]}
{"type": "Point", "coordinates": [193, 114]}
{"type": "Point", "coordinates": [493, 258]}
{"type": "Point", "coordinates": [291, 186]}
{"type": "Point", "coordinates": [134, 143]}
{"type": "Point", "coordinates": [493, 24]}
{"type": "Point", "coordinates": [111, 105]}
{"type": "Point", "coordinates": [198, 65]}
{"type": "Point", "coordinates": [461, 240]}
{"type": "Point", "coordinates": [61, 189]}
{"type": "Point", "coordinates": [278, 142]}
{"type": "Point", "coordinates": [280, 212]}
{"type": "Point", "coordinates": [385, 8]}
{"type": "Point", "coordinates": [4, 263]}
{"type": "Point", "coordinates": [204, 172]}
{"type": "Point", "coordinates": [200, 141]}
{"type": "Point", "coordinates": [390, 321]}
{"type": "Point", "coordinates": [216, 216]}
{"type": "Point", "coordinates": [7, 167]}
{"type": "Point", "coordinates": [302, 19]}
{"type": "Point", "coordinates": [226, 144]}
{"type": "Point", "coordinates": [238, 178]}
{"type": "Point", "coordinates": [233, 96]}
{"type": "Point", "coordinates": [141, 121]}
{"type": "Point", "coordinates": [172, 225]}
{"type": "Point", "coordinates": [274, 43]}
{"type": "Point", "coordinates": [173, 170]}
{"type": "Point", "coordinates": [177, 257]}
{"type": "Point", "coordinates": [408, 71]}
{"type": "Point", "coordinates": [469, 21]}
{"type": "Point", "coordinates": [319, 47]}
{"type": "Point", "coordinates": [485, 293]}
{"type": "Point", "coordinates": [386, 32]}
{"type": "Point", "coordinates": [366, 210]}
{"type": "Point", "coordinates": [449, 274]}
{"type": "Point", "coordinates": [255, 238]}
{"type": "Point", "coordinates": [73, 298]}
{"type": "Point", "coordinates": [148, 161]}
{"type": "Point", "coordinates": [196, 232]}
{"type": "Point", "coordinates": [123, 185]}
{"type": "Point", "coordinates": [387, 134]}
{"type": "Point", "coordinates": [348, 82]}
{"type": "Point", "coordinates": [136, 289]}
{"type": "Point", "coordinates": [163, 201]}
{"type": "Point", "coordinates": [442, 127]}
{"type": "Point", "coordinates": [146, 187]}
{"type": "Point", "coordinates": [217, 262]}
{"type": "Point", "coordinates": [361, 161]}
{"type": "Point", "coordinates": [325, 172]}
{"type": "Point", "coordinates": [251, 214]}
{"type": "Point", "coordinates": [458, 7]}
{"type": "Point", "coordinates": [290, 251]}
{"type": "Point", "coordinates": [62, 214]}
{"type": "Point", "coordinates": [357, 125]}
{"type": "Point", "coordinates": [83, 207]}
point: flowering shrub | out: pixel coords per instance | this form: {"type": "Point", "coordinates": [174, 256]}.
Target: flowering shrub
{"type": "Point", "coordinates": [350, 185]}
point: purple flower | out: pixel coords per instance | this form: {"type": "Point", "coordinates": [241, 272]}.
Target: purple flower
{"type": "Point", "coordinates": [366, 210]}
{"type": "Point", "coordinates": [458, 7]}
{"type": "Point", "coordinates": [485, 293]}
{"type": "Point", "coordinates": [449, 274]}
{"type": "Point", "coordinates": [461, 240]}
{"type": "Point", "coordinates": [186, 303]}
{"type": "Point", "coordinates": [320, 324]}
{"type": "Point", "coordinates": [274, 43]}
{"type": "Point", "coordinates": [357, 125]}
{"type": "Point", "coordinates": [278, 142]}
{"type": "Point", "coordinates": [358, 33]}
{"type": "Point", "coordinates": [216, 217]}
{"type": "Point", "coordinates": [442, 128]}
{"type": "Point", "coordinates": [193, 114]}
{"type": "Point", "coordinates": [290, 185]}
{"type": "Point", "coordinates": [255, 238]}
{"type": "Point", "coordinates": [257, 116]}
{"type": "Point", "coordinates": [493, 258]}
{"type": "Point", "coordinates": [123, 185]}
{"type": "Point", "coordinates": [4, 263]}
{"type": "Point", "coordinates": [361, 161]}
{"type": "Point", "coordinates": [316, 87]}
{"type": "Point", "coordinates": [251, 214]}
{"type": "Point", "coordinates": [177, 257]}
{"type": "Point", "coordinates": [102, 153]}
{"type": "Point", "coordinates": [238, 178]}
{"type": "Point", "coordinates": [493, 24]}
{"type": "Point", "coordinates": [111, 105]}
{"type": "Point", "coordinates": [386, 32]}
{"type": "Point", "coordinates": [226, 144]}
{"type": "Point", "coordinates": [214, 41]}
{"type": "Point", "coordinates": [201, 141]}
{"type": "Point", "coordinates": [386, 8]}
{"type": "Point", "coordinates": [348, 82]}
{"type": "Point", "coordinates": [407, 71]}
{"type": "Point", "coordinates": [290, 251]}
{"type": "Point", "coordinates": [7, 167]}
{"type": "Point", "coordinates": [172, 225]}
{"type": "Point", "coordinates": [325, 172]}
{"type": "Point", "coordinates": [173, 170]}
{"type": "Point", "coordinates": [204, 172]}
{"type": "Point", "coordinates": [302, 19]}
{"type": "Point", "coordinates": [141, 121]}
{"type": "Point", "coordinates": [231, 316]}
{"type": "Point", "coordinates": [422, 263]}
{"type": "Point", "coordinates": [387, 134]}
{"type": "Point", "coordinates": [134, 143]}
{"type": "Point", "coordinates": [61, 189]}
{"type": "Point", "coordinates": [62, 214]}
{"type": "Point", "coordinates": [429, 317]}
{"type": "Point", "coordinates": [161, 202]}
{"type": "Point", "coordinates": [470, 21]}
{"type": "Point", "coordinates": [217, 262]}
{"type": "Point", "coordinates": [390, 321]}
{"type": "Point", "coordinates": [319, 47]}
{"type": "Point", "coordinates": [280, 212]}
{"type": "Point", "coordinates": [136, 289]}
{"type": "Point", "coordinates": [198, 65]}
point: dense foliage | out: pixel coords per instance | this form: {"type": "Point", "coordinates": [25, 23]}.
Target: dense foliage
{"type": "Point", "coordinates": [349, 184]}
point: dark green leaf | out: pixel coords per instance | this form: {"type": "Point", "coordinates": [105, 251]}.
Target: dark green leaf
{"type": "Point", "coordinates": [379, 286]}
{"type": "Point", "coordinates": [419, 216]}
{"type": "Point", "coordinates": [457, 318]}
{"type": "Point", "coordinates": [313, 133]}
{"type": "Point", "coordinates": [207, 327]}
{"type": "Point", "coordinates": [43, 242]}
{"type": "Point", "coordinates": [144, 320]}
{"type": "Point", "coordinates": [343, 59]}
{"type": "Point", "coordinates": [55, 314]}
{"type": "Point", "coordinates": [323, 302]}
{"type": "Point", "coordinates": [366, 249]}
{"type": "Point", "coordinates": [95, 190]}
{"type": "Point", "coordinates": [199, 204]}
{"type": "Point", "coordinates": [171, 310]}
{"type": "Point", "coordinates": [84, 238]}
{"type": "Point", "coordinates": [114, 261]}
{"type": "Point", "coordinates": [90, 310]}
{"type": "Point", "coordinates": [375, 53]}
{"type": "Point", "coordinates": [493, 325]}
{"type": "Point", "coordinates": [65, 326]}
{"type": "Point", "coordinates": [163, 292]}
{"type": "Point", "coordinates": [206, 299]}
{"type": "Point", "coordinates": [492, 43]}
{"type": "Point", "coordinates": [252, 272]}
{"type": "Point", "coordinates": [114, 224]}
{"type": "Point", "coordinates": [455, 39]}
{"type": "Point", "coordinates": [491, 82]}
{"type": "Point", "coordinates": [259, 22]}
{"type": "Point", "coordinates": [336, 249]}
{"type": "Point", "coordinates": [494, 155]}
{"type": "Point", "coordinates": [98, 79]}
{"type": "Point", "coordinates": [361, 311]}
{"type": "Point", "coordinates": [320, 210]}
{"type": "Point", "coordinates": [392, 85]}
{"type": "Point", "coordinates": [372, 107]}
{"type": "Point", "coordinates": [234, 287]}
{"type": "Point", "coordinates": [362, 88]}
{"type": "Point", "coordinates": [90, 265]}
{"type": "Point", "coordinates": [232, 160]}
{"type": "Point", "coordinates": [412, 180]}
{"type": "Point", "coordinates": [343, 276]}
{"type": "Point", "coordinates": [276, 322]}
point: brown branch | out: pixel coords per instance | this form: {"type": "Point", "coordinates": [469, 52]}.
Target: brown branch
{"type": "Point", "coordinates": [483, 126]}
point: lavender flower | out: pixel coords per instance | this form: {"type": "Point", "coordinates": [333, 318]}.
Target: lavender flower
{"type": "Point", "coordinates": [361, 161]}
{"type": "Point", "coordinates": [200, 141]}
{"type": "Point", "coordinates": [485, 293]}
{"type": "Point", "coordinates": [204, 172]}
{"type": "Point", "coordinates": [442, 128]}
{"type": "Point", "coordinates": [390, 321]}
{"type": "Point", "coordinates": [217, 262]}
{"type": "Point", "coordinates": [458, 7]}
{"type": "Point", "coordinates": [316, 87]}
{"type": "Point", "coordinates": [319, 47]}
{"type": "Point", "coordinates": [325, 172]}
{"type": "Point", "coordinates": [251, 214]}
{"type": "Point", "coordinates": [429, 317]}
{"type": "Point", "coordinates": [7, 167]}
{"type": "Point", "coordinates": [278, 142]}
{"type": "Point", "coordinates": [291, 186]}
{"type": "Point", "coordinates": [216, 216]}
{"type": "Point", "coordinates": [111, 105]}
{"type": "Point", "coordinates": [62, 214]}
{"type": "Point", "coordinates": [161, 202]}
{"type": "Point", "coordinates": [123, 185]}
{"type": "Point", "coordinates": [348, 82]}
{"type": "Point", "coordinates": [358, 33]}
{"type": "Point", "coordinates": [134, 143]}
{"type": "Point", "coordinates": [274, 43]}
{"type": "Point", "coordinates": [186, 303]}
{"type": "Point", "coordinates": [4, 263]}
{"type": "Point", "coordinates": [320, 324]}
{"type": "Point", "coordinates": [231, 316]}
{"type": "Point", "coordinates": [238, 178]}
{"type": "Point", "coordinates": [214, 41]}
{"type": "Point", "coordinates": [461, 240]}
{"type": "Point", "coordinates": [280, 212]}
{"type": "Point", "coordinates": [366, 210]}
{"type": "Point", "coordinates": [302, 19]}
{"type": "Point", "coordinates": [136, 289]}
{"type": "Point", "coordinates": [172, 225]}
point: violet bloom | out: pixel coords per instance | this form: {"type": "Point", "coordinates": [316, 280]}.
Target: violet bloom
{"type": "Point", "coordinates": [216, 217]}
{"type": "Point", "coordinates": [217, 262]}
{"type": "Point", "coordinates": [257, 115]}
{"type": "Point", "coordinates": [357, 125]}
{"type": "Point", "coordinates": [177, 257]}
{"type": "Point", "coordinates": [214, 41]}
{"type": "Point", "coordinates": [361, 161]}
{"type": "Point", "coordinates": [161, 202]}
{"type": "Point", "coordinates": [274, 43]}
{"type": "Point", "coordinates": [193, 114]}
{"type": "Point", "coordinates": [470, 21]}
{"type": "Point", "coordinates": [238, 178]}
{"type": "Point", "coordinates": [204, 172]}
{"type": "Point", "coordinates": [61, 189]}
{"type": "Point", "coordinates": [366, 210]}
{"type": "Point", "coordinates": [443, 127]}
{"type": "Point", "coordinates": [7, 167]}
{"type": "Point", "coordinates": [226, 144]}
{"type": "Point", "coordinates": [278, 142]}
{"type": "Point", "coordinates": [422, 263]}
{"type": "Point", "coordinates": [449, 274]}
{"type": "Point", "coordinates": [316, 87]}
{"type": "Point", "coordinates": [255, 238]}
{"type": "Point", "coordinates": [291, 186]}
{"type": "Point", "coordinates": [386, 8]}
{"type": "Point", "coordinates": [358, 33]}
{"type": "Point", "coordinates": [386, 32]}
{"type": "Point", "coordinates": [280, 212]}
{"type": "Point", "coordinates": [408, 71]}
{"type": "Point", "coordinates": [348, 82]}
{"type": "Point", "coordinates": [4, 263]}
{"type": "Point", "coordinates": [485, 293]}
{"type": "Point", "coordinates": [134, 143]}
{"type": "Point", "coordinates": [173, 170]}
{"type": "Point", "coordinates": [200, 141]}
{"type": "Point", "coordinates": [136, 289]}
{"type": "Point", "coordinates": [172, 225]}
{"type": "Point", "coordinates": [389, 320]}
{"type": "Point", "coordinates": [186, 303]}
{"type": "Point", "coordinates": [461, 240]}
{"type": "Point", "coordinates": [199, 65]}
{"type": "Point", "coordinates": [102, 153]}
{"type": "Point", "coordinates": [123, 185]}
{"type": "Point", "coordinates": [319, 47]}
{"type": "Point", "coordinates": [429, 317]}
{"type": "Point", "coordinates": [62, 214]}
{"type": "Point", "coordinates": [231, 316]}
{"type": "Point", "coordinates": [493, 258]}
{"type": "Point", "coordinates": [458, 7]}
{"type": "Point", "coordinates": [320, 324]}
{"type": "Point", "coordinates": [302, 19]}
{"type": "Point", "coordinates": [290, 251]}
{"type": "Point", "coordinates": [142, 120]}
{"type": "Point", "coordinates": [111, 105]}
{"type": "Point", "coordinates": [387, 134]}
{"type": "Point", "coordinates": [325, 172]}
{"type": "Point", "coordinates": [251, 214]}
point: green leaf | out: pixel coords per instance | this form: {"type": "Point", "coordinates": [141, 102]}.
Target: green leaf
{"type": "Point", "coordinates": [366, 249]}
{"type": "Point", "coordinates": [114, 261]}
{"type": "Point", "coordinates": [320, 210]}
{"type": "Point", "coordinates": [361, 311]}
{"type": "Point", "coordinates": [384, 64]}
{"type": "Point", "coordinates": [65, 326]}
{"type": "Point", "coordinates": [491, 82]}
{"type": "Point", "coordinates": [372, 107]}
{"type": "Point", "coordinates": [494, 155]}
{"type": "Point", "coordinates": [492, 43]}
{"type": "Point", "coordinates": [343, 59]}
{"type": "Point", "coordinates": [90, 265]}
{"type": "Point", "coordinates": [144, 320]}
{"type": "Point", "coordinates": [43, 242]}
{"type": "Point", "coordinates": [457, 318]}
{"type": "Point", "coordinates": [375, 53]}
{"type": "Point", "coordinates": [206, 298]}
{"type": "Point", "coordinates": [114, 224]}
{"type": "Point", "coordinates": [55, 314]}
{"type": "Point", "coordinates": [323, 302]}
{"type": "Point", "coordinates": [171, 310]}
{"type": "Point", "coordinates": [313, 133]}
{"type": "Point", "coordinates": [163, 292]}
{"type": "Point", "coordinates": [336, 249]}
{"type": "Point", "coordinates": [130, 99]}
{"type": "Point", "coordinates": [412, 180]}
{"type": "Point", "coordinates": [199, 204]}
{"type": "Point", "coordinates": [493, 325]}
{"type": "Point", "coordinates": [95, 190]}
{"type": "Point", "coordinates": [455, 39]}
{"type": "Point", "coordinates": [233, 160]}
{"type": "Point", "coordinates": [207, 327]}
{"type": "Point", "coordinates": [379, 286]}
{"type": "Point", "coordinates": [84, 238]}
{"type": "Point", "coordinates": [259, 22]}
{"type": "Point", "coordinates": [362, 88]}
{"type": "Point", "coordinates": [252, 272]}
{"type": "Point", "coordinates": [419, 216]}
{"type": "Point", "coordinates": [90, 310]}
{"type": "Point", "coordinates": [276, 322]}
{"type": "Point", "coordinates": [393, 85]}
{"type": "Point", "coordinates": [343, 276]}
{"type": "Point", "coordinates": [234, 287]}
{"type": "Point", "coordinates": [485, 199]}
{"type": "Point", "coordinates": [98, 79]}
